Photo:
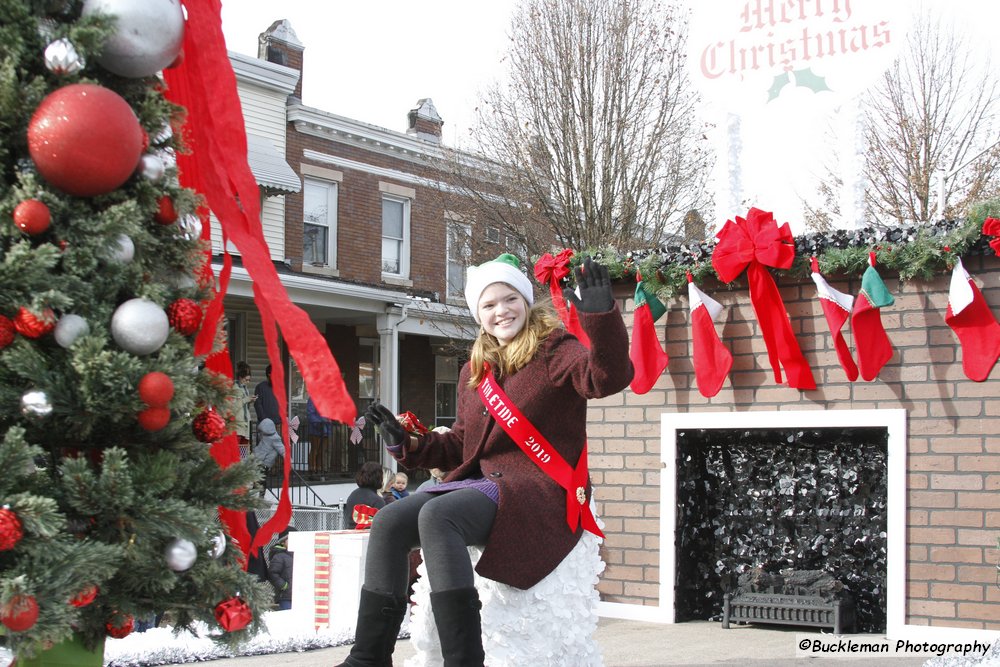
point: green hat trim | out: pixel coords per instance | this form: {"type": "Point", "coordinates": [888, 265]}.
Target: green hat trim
{"type": "Point", "coordinates": [508, 258]}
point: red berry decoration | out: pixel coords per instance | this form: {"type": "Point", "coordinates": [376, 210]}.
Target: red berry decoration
{"type": "Point", "coordinates": [85, 139]}
{"type": "Point", "coordinates": [154, 419]}
{"type": "Point", "coordinates": [20, 613]}
{"type": "Point", "coordinates": [122, 629]}
{"type": "Point", "coordinates": [32, 216]}
{"type": "Point", "coordinates": [7, 331]}
{"type": "Point", "coordinates": [30, 325]}
{"type": "Point", "coordinates": [156, 389]}
{"type": "Point", "coordinates": [184, 316]}
{"type": "Point", "coordinates": [209, 426]}
{"type": "Point", "coordinates": [85, 597]}
{"type": "Point", "coordinates": [165, 213]}
{"type": "Point", "coordinates": [233, 614]}
{"type": "Point", "coordinates": [10, 529]}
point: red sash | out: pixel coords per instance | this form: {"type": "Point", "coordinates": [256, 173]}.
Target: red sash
{"type": "Point", "coordinates": [538, 449]}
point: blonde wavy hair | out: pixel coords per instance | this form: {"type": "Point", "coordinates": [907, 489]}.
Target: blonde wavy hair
{"type": "Point", "coordinates": [508, 359]}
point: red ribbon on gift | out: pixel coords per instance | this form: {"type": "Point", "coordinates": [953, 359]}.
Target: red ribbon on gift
{"type": "Point", "coordinates": [991, 227]}
{"type": "Point", "coordinates": [753, 244]}
{"type": "Point", "coordinates": [551, 271]}
{"type": "Point", "coordinates": [216, 167]}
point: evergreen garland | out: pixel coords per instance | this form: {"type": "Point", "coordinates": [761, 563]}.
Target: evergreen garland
{"type": "Point", "coordinates": [913, 252]}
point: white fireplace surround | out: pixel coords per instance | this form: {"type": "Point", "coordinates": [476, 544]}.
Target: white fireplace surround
{"type": "Point", "coordinates": [894, 421]}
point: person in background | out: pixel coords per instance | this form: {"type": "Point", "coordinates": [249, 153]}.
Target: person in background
{"type": "Point", "coordinates": [318, 430]}
{"type": "Point", "coordinates": [369, 481]}
{"type": "Point", "coordinates": [279, 570]}
{"type": "Point", "coordinates": [437, 476]}
{"type": "Point", "coordinates": [388, 479]}
{"type": "Point", "coordinates": [243, 400]}
{"type": "Point", "coordinates": [269, 447]}
{"type": "Point", "coordinates": [399, 486]}
{"type": "Point", "coordinates": [499, 493]}
{"type": "Point", "coordinates": [265, 402]}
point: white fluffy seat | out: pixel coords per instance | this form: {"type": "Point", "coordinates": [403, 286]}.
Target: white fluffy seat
{"type": "Point", "coordinates": [551, 624]}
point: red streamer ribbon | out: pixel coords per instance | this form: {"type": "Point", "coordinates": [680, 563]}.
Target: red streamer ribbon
{"type": "Point", "coordinates": [551, 271]}
{"type": "Point", "coordinates": [216, 167]}
{"type": "Point", "coordinates": [753, 244]}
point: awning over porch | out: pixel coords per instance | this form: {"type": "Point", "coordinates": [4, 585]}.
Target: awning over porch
{"type": "Point", "coordinates": [269, 167]}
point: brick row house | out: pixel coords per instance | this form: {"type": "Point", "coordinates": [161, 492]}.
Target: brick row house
{"type": "Point", "coordinates": [359, 231]}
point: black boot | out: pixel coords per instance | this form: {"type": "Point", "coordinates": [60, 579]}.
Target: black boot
{"type": "Point", "coordinates": [456, 613]}
{"type": "Point", "coordinates": [379, 618]}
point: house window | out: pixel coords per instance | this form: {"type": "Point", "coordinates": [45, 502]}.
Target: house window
{"type": "Point", "coordinates": [459, 252]}
{"type": "Point", "coordinates": [319, 235]}
{"type": "Point", "coordinates": [396, 236]}
{"type": "Point", "coordinates": [492, 235]}
{"type": "Point", "coordinates": [446, 390]}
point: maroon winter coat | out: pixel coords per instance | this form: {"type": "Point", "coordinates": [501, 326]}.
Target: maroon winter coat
{"type": "Point", "coordinates": [530, 536]}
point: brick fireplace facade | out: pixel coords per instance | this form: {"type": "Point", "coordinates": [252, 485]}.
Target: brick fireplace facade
{"type": "Point", "coordinates": [951, 515]}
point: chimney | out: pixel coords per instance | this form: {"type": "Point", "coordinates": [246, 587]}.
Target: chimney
{"type": "Point", "coordinates": [424, 121]}
{"type": "Point", "coordinates": [280, 45]}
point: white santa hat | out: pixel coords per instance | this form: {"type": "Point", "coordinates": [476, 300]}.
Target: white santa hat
{"type": "Point", "coordinates": [504, 269]}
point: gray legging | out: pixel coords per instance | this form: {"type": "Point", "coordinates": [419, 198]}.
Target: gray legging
{"type": "Point", "coordinates": [442, 525]}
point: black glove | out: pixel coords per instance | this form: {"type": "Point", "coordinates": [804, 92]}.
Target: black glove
{"type": "Point", "coordinates": [594, 282]}
{"type": "Point", "coordinates": [394, 436]}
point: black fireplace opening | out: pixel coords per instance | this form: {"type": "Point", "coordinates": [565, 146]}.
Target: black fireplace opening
{"type": "Point", "coordinates": [778, 500]}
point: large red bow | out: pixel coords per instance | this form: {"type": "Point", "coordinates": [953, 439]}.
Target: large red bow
{"type": "Point", "coordinates": [991, 227]}
{"type": "Point", "coordinates": [550, 271]}
{"type": "Point", "coordinates": [754, 244]}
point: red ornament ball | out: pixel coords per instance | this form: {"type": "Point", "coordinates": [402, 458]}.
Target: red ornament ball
{"type": "Point", "coordinates": [154, 418]}
{"type": "Point", "coordinates": [7, 332]}
{"type": "Point", "coordinates": [85, 597]}
{"type": "Point", "coordinates": [156, 389]}
{"type": "Point", "coordinates": [31, 325]}
{"type": "Point", "coordinates": [122, 629]}
{"type": "Point", "coordinates": [85, 139]}
{"type": "Point", "coordinates": [10, 529]}
{"type": "Point", "coordinates": [209, 426]}
{"type": "Point", "coordinates": [32, 216]}
{"type": "Point", "coordinates": [166, 214]}
{"type": "Point", "coordinates": [184, 316]}
{"type": "Point", "coordinates": [233, 614]}
{"type": "Point", "coordinates": [20, 613]}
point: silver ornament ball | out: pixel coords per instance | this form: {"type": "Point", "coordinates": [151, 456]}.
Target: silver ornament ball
{"type": "Point", "coordinates": [190, 226]}
{"type": "Point", "coordinates": [140, 326]}
{"type": "Point", "coordinates": [69, 329]}
{"type": "Point", "coordinates": [218, 545]}
{"type": "Point", "coordinates": [152, 167]}
{"type": "Point", "coordinates": [61, 58]}
{"type": "Point", "coordinates": [36, 403]}
{"type": "Point", "coordinates": [180, 555]}
{"type": "Point", "coordinates": [147, 35]}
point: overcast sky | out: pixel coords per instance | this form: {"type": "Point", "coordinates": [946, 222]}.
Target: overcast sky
{"type": "Point", "coordinates": [372, 61]}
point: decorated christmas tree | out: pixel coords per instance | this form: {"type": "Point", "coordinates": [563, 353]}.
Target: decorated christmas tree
{"type": "Point", "coordinates": [109, 408]}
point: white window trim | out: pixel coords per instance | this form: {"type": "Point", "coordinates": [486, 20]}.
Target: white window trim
{"type": "Point", "coordinates": [333, 197]}
{"type": "Point", "coordinates": [404, 259]}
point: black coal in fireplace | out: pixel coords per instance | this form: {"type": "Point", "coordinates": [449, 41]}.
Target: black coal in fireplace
{"type": "Point", "coordinates": [781, 499]}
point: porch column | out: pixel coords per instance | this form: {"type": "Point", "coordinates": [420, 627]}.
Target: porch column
{"type": "Point", "coordinates": [387, 325]}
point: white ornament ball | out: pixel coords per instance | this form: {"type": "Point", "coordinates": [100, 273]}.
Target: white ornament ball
{"type": "Point", "coordinates": [61, 57]}
{"type": "Point", "coordinates": [180, 555]}
{"type": "Point", "coordinates": [140, 326]}
{"type": "Point", "coordinates": [147, 37]}
{"type": "Point", "coordinates": [123, 250]}
{"type": "Point", "coordinates": [69, 328]}
{"type": "Point", "coordinates": [36, 403]}
{"type": "Point", "coordinates": [218, 545]}
{"type": "Point", "coordinates": [152, 167]}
